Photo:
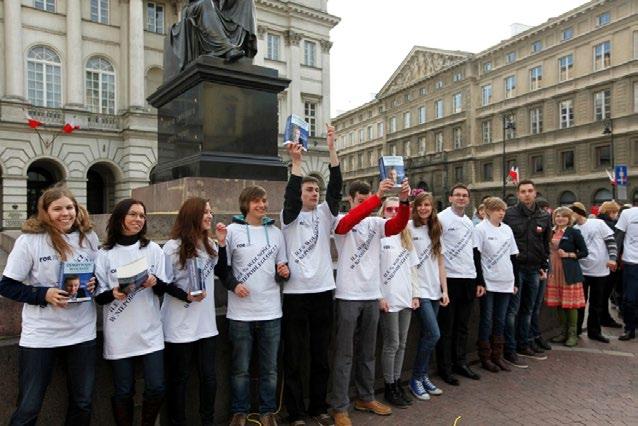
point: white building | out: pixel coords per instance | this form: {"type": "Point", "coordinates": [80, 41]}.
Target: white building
{"type": "Point", "coordinates": [92, 63]}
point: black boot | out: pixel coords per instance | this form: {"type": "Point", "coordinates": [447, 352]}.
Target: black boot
{"type": "Point", "coordinates": [150, 409]}
{"type": "Point", "coordinates": [392, 396]}
{"type": "Point", "coordinates": [122, 411]}
{"type": "Point", "coordinates": [402, 393]}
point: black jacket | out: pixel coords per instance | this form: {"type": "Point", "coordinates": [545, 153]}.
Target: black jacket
{"type": "Point", "coordinates": [573, 242]}
{"type": "Point", "coordinates": [532, 232]}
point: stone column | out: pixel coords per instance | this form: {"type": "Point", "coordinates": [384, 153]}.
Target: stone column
{"type": "Point", "coordinates": [74, 65]}
{"type": "Point", "coordinates": [295, 106]}
{"type": "Point", "coordinates": [136, 55]}
{"type": "Point", "coordinates": [325, 86]}
{"type": "Point", "coordinates": [14, 69]}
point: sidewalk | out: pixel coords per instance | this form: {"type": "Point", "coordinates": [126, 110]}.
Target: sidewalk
{"type": "Point", "coordinates": [592, 384]}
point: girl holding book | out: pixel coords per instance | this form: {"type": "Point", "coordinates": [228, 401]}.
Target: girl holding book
{"type": "Point", "coordinates": [192, 261]}
{"type": "Point", "coordinates": [51, 326]}
{"type": "Point", "coordinates": [132, 323]}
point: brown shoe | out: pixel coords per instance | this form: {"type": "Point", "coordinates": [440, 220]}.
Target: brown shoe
{"type": "Point", "coordinates": [239, 419]}
{"type": "Point", "coordinates": [342, 418]}
{"type": "Point", "coordinates": [268, 419]}
{"type": "Point", "coordinates": [373, 406]}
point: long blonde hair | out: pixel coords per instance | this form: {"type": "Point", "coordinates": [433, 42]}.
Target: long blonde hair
{"type": "Point", "coordinates": [406, 238]}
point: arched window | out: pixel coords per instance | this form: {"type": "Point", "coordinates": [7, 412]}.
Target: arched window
{"type": "Point", "coordinates": [566, 198]}
{"type": "Point", "coordinates": [44, 77]}
{"type": "Point", "coordinates": [100, 85]}
{"type": "Point", "coordinates": [601, 196]}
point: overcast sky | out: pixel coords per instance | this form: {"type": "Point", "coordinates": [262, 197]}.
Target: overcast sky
{"type": "Point", "coordinates": [375, 36]}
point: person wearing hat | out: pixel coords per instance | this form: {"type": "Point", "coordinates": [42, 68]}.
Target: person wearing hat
{"type": "Point", "coordinates": [596, 267]}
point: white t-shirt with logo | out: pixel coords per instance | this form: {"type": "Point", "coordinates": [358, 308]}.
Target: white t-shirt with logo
{"type": "Point", "coordinates": [628, 223]}
{"type": "Point", "coordinates": [429, 282]}
{"type": "Point", "coordinates": [358, 271]}
{"type": "Point", "coordinates": [254, 253]}
{"type": "Point", "coordinates": [33, 261]}
{"type": "Point", "coordinates": [396, 273]}
{"type": "Point", "coordinates": [308, 250]}
{"type": "Point", "coordinates": [496, 245]}
{"type": "Point", "coordinates": [133, 326]}
{"type": "Point", "coordinates": [188, 322]}
{"type": "Point", "coordinates": [594, 232]}
{"type": "Point", "coordinates": [458, 243]}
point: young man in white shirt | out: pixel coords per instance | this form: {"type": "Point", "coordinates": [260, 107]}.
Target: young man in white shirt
{"type": "Point", "coordinates": [358, 240]}
{"type": "Point", "coordinates": [308, 307]}
{"type": "Point", "coordinates": [596, 269]}
{"type": "Point", "coordinates": [458, 243]}
{"type": "Point", "coordinates": [627, 240]}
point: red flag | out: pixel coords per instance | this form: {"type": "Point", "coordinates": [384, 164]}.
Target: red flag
{"type": "Point", "coordinates": [69, 128]}
{"type": "Point", "coordinates": [513, 174]}
{"type": "Point", "coordinates": [33, 123]}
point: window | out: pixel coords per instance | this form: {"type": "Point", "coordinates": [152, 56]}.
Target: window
{"type": "Point", "coordinates": [567, 161]}
{"type": "Point", "coordinates": [537, 164]}
{"type": "Point", "coordinates": [48, 5]}
{"type": "Point", "coordinates": [487, 66]}
{"type": "Point", "coordinates": [369, 130]}
{"type": "Point", "coordinates": [603, 19]}
{"type": "Point", "coordinates": [510, 86]}
{"type": "Point", "coordinates": [438, 142]}
{"type": "Point", "coordinates": [603, 156]}
{"type": "Point", "coordinates": [406, 149]}
{"type": "Point", "coordinates": [510, 57]}
{"type": "Point", "coordinates": [458, 174]}
{"type": "Point", "coordinates": [274, 41]}
{"type": "Point", "coordinates": [393, 124]}
{"type": "Point", "coordinates": [310, 113]}
{"type": "Point", "coordinates": [565, 65]}
{"type": "Point", "coordinates": [636, 96]}
{"type": "Point", "coordinates": [359, 160]}
{"type": "Point", "coordinates": [567, 198]}
{"type": "Point", "coordinates": [100, 11]}
{"type": "Point", "coordinates": [457, 102]}
{"type": "Point", "coordinates": [486, 131]}
{"type": "Point", "coordinates": [486, 94]}
{"type": "Point", "coordinates": [602, 55]}
{"type": "Point", "coordinates": [438, 84]}
{"type": "Point", "coordinates": [488, 172]}
{"type": "Point", "coordinates": [380, 129]}
{"type": "Point", "coordinates": [457, 137]}
{"type": "Point", "coordinates": [422, 145]}
{"type": "Point", "coordinates": [438, 109]}
{"type": "Point", "coordinates": [509, 125]}
{"type": "Point", "coordinates": [601, 104]}
{"type": "Point", "coordinates": [309, 53]}
{"type": "Point", "coordinates": [536, 120]}
{"type": "Point", "coordinates": [421, 115]}
{"type": "Point", "coordinates": [362, 135]}
{"type": "Point", "coordinates": [537, 46]}
{"type": "Point", "coordinates": [393, 149]}
{"type": "Point", "coordinates": [100, 86]}
{"type": "Point", "coordinates": [457, 76]}
{"type": "Point", "coordinates": [422, 91]}
{"type": "Point", "coordinates": [407, 118]}
{"type": "Point", "coordinates": [566, 109]}
{"type": "Point", "coordinates": [567, 34]}
{"type": "Point", "coordinates": [44, 81]}
{"type": "Point", "coordinates": [370, 160]}
{"type": "Point", "coordinates": [535, 77]}
{"type": "Point", "coordinates": [351, 138]}
{"type": "Point", "coordinates": [155, 18]}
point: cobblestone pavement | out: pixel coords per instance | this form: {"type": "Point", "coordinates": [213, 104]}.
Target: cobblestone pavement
{"type": "Point", "coordinates": [592, 384]}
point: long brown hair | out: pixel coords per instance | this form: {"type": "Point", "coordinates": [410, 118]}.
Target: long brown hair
{"type": "Point", "coordinates": [406, 238]}
{"type": "Point", "coordinates": [41, 222]}
{"type": "Point", "coordinates": [434, 226]}
{"type": "Point", "coordinates": [188, 228]}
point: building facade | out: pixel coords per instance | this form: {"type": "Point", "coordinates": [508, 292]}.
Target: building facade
{"type": "Point", "coordinates": [558, 101]}
{"type": "Point", "coordinates": [92, 63]}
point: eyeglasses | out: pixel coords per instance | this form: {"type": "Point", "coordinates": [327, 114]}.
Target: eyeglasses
{"type": "Point", "coordinates": [392, 209]}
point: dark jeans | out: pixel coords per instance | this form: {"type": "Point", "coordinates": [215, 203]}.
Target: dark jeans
{"type": "Point", "coordinates": [594, 289]}
{"type": "Point", "coordinates": [124, 376]}
{"type": "Point", "coordinates": [430, 334]}
{"type": "Point", "coordinates": [534, 325]}
{"type": "Point", "coordinates": [242, 335]}
{"type": "Point", "coordinates": [307, 326]}
{"type": "Point", "coordinates": [178, 358]}
{"type": "Point", "coordinates": [453, 324]}
{"type": "Point", "coordinates": [493, 310]}
{"type": "Point", "coordinates": [36, 367]}
{"type": "Point", "coordinates": [520, 308]}
{"type": "Point", "coordinates": [630, 296]}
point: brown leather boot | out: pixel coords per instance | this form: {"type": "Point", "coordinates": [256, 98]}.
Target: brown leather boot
{"type": "Point", "coordinates": [498, 342]}
{"type": "Point", "coordinates": [122, 411]}
{"type": "Point", "coordinates": [150, 409]}
{"type": "Point", "coordinates": [485, 352]}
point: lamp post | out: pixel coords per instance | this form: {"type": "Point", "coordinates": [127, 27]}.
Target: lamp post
{"type": "Point", "coordinates": [608, 129]}
{"type": "Point", "coordinates": [508, 124]}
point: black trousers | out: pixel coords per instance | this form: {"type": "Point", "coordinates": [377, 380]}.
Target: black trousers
{"type": "Point", "coordinates": [453, 324]}
{"type": "Point", "coordinates": [307, 324]}
{"type": "Point", "coordinates": [594, 289]}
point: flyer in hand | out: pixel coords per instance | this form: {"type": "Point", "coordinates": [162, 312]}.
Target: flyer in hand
{"type": "Point", "coordinates": [132, 275]}
{"type": "Point", "coordinates": [296, 131]}
{"type": "Point", "coordinates": [74, 278]}
{"type": "Point", "coordinates": [391, 167]}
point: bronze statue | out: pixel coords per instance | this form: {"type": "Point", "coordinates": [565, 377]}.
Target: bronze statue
{"type": "Point", "coordinates": [222, 28]}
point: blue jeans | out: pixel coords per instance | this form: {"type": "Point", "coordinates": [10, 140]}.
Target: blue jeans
{"type": "Point", "coordinates": [493, 310]}
{"type": "Point", "coordinates": [430, 334]}
{"type": "Point", "coordinates": [36, 367]}
{"type": "Point", "coordinates": [534, 327]}
{"type": "Point", "coordinates": [630, 296]}
{"type": "Point", "coordinates": [519, 311]}
{"type": "Point", "coordinates": [124, 376]}
{"type": "Point", "coordinates": [242, 334]}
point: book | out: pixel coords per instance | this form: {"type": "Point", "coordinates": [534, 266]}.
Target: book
{"type": "Point", "coordinates": [131, 276]}
{"type": "Point", "coordinates": [74, 278]}
{"type": "Point", "coordinates": [196, 284]}
{"type": "Point", "coordinates": [391, 167]}
{"type": "Point", "coordinates": [296, 131]}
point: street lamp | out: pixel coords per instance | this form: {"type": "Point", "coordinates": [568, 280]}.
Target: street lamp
{"type": "Point", "coordinates": [608, 129]}
{"type": "Point", "coordinates": [508, 124]}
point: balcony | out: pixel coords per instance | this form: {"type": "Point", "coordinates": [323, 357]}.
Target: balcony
{"type": "Point", "coordinates": [87, 120]}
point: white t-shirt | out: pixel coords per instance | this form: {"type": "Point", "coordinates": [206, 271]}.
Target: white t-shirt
{"type": "Point", "coordinates": [496, 245]}
{"type": "Point", "coordinates": [34, 261]}
{"type": "Point", "coordinates": [458, 243]}
{"type": "Point", "coordinates": [396, 273]}
{"type": "Point", "coordinates": [594, 232]}
{"type": "Point", "coordinates": [133, 326]}
{"type": "Point", "coordinates": [254, 253]}
{"type": "Point", "coordinates": [308, 250]}
{"type": "Point", "coordinates": [358, 272]}
{"type": "Point", "coordinates": [187, 322]}
{"type": "Point", "coordinates": [628, 223]}
{"type": "Point", "coordinates": [427, 269]}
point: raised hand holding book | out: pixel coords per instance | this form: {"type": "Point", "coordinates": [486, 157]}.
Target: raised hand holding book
{"type": "Point", "coordinates": [392, 167]}
{"type": "Point", "coordinates": [297, 131]}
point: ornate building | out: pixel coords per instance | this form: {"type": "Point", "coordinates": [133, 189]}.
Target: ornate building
{"type": "Point", "coordinates": [92, 63]}
{"type": "Point", "coordinates": [559, 101]}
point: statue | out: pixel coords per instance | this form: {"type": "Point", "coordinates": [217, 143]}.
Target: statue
{"type": "Point", "coordinates": [221, 28]}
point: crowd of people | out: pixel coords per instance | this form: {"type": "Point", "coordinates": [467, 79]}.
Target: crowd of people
{"type": "Point", "coordinates": [407, 259]}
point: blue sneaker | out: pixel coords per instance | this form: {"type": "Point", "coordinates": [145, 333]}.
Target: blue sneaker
{"type": "Point", "coordinates": [417, 389]}
{"type": "Point", "coordinates": [430, 387]}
